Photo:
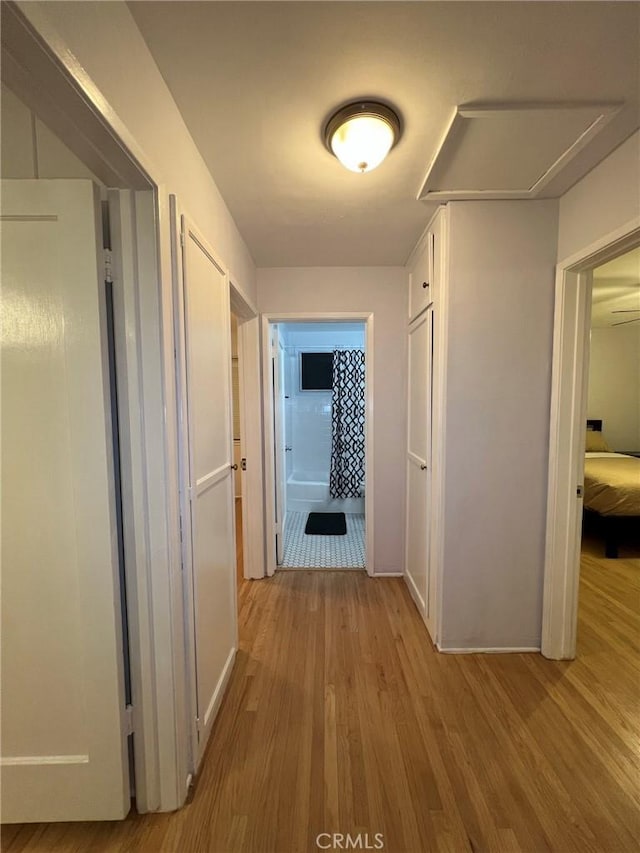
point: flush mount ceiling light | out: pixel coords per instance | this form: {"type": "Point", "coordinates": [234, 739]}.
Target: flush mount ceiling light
{"type": "Point", "coordinates": [362, 134]}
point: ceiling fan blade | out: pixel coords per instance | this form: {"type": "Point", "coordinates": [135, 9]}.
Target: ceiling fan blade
{"type": "Point", "coordinates": [624, 322]}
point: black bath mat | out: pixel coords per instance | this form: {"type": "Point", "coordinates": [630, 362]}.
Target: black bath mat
{"type": "Point", "coordinates": [326, 524]}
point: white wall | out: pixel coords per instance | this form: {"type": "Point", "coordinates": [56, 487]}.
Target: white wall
{"type": "Point", "coordinates": [605, 199]}
{"type": "Point", "coordinates": [502, 257]}
{"type": "Point", "coordinates": [108, 45]}
{"type": "Point", "coordinates": [382, 291]}
{"type": "Point", "coordinates": [614, 384]}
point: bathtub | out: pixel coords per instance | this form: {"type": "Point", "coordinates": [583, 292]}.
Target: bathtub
{"type": "Point", "coordinates": [309, 492]}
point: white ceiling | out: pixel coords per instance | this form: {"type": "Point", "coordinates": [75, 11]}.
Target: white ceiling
{"type": "Point", "coordinates": [255, 82]}
{"type": "Point", "coordinates": [616, 293]}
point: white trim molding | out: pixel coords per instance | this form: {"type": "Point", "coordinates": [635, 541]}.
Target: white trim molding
{"type": "Point", "coordinates": [251, 439]}
{"type": "Point", "coordinates": [490, 650]}
{"type": "Point", "coordinates": [567, 437]}
{"type": "Point", "coordinates": [37, 760]}
{"type": "Point", "coordinates": [413, 591]}
{"type": "Point", "coordinates": [218, 693]}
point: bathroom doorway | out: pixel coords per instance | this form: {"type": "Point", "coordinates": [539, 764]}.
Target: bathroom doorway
{"type": "Point", "coordinates": [319, 438]}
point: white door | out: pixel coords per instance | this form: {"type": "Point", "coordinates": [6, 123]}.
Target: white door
{"type": "Point", "coordinates": [419, 463]}
{"type": "Point", "coordinates": [208, 522]}
{"type": "Point", "coordinates": [277, 368]}
{"type": "Point", "coordinates": [64, 750]}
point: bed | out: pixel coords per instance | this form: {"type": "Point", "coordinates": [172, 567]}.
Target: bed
{"type": "Point", "coordinates": [611, 488]}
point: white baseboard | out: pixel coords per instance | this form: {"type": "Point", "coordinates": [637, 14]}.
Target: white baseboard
{"type": "Point", "coordinates": [417, 598]}
{"type": "Point", "coordinates": [219, 692]}
{"type": "Point", "coordinates": [387, 575]}
{"type": "Point", "coordinates": [489, 650]}
{"type": "Point", "coordinates": [212, 708]}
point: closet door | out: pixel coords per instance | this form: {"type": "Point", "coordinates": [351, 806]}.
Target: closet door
{"type": "Point", "coordinates": [419, 462]}
{"type": "Point", "coordinates": [64, 739]}
{"type": "Point", "coordinates": [204, 353]}
{"type": "Point", "coordinates": [421, 277]}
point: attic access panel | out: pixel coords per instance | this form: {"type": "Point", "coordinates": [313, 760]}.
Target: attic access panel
{"type": "Point", "coordinates": [510, 151]}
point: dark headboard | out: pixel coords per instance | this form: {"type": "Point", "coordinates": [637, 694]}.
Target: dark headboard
{"type": "Point", "coordinates": [595, 426]}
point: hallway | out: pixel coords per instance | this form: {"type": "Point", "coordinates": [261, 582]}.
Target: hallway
{"type": "Point", "coordinates": [340, 718]}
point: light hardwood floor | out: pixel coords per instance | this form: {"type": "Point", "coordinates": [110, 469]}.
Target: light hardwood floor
{"type": "Point", "coordinates": [340, 717]}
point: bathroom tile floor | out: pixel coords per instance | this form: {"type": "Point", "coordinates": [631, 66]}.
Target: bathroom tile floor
{"type": "Point", "coordinates": [323, 552]}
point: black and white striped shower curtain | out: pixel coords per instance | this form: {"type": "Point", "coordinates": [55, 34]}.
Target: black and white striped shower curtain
{"type": "Point", "coordinates": [346, 479]}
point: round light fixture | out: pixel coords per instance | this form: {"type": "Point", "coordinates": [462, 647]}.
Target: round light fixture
{"type": "Point", "coordinates": [362, 134]}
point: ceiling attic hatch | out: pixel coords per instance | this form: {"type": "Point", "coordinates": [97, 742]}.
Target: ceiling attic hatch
{"type": "Point", "coordinates": [510, 151]}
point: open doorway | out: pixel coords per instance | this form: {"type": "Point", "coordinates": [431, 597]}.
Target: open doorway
{"type": "Point", "coordinates": [318, 402]}
{"type": "Point", "coordinates": [595, 384]}
{"type": "Point", "coordinates": [612, 449]}
{"type": "Point", "coordinates": [239, 461]}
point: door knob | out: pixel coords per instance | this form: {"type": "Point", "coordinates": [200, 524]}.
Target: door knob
{"type": "Point", "coordinates": [423, 467]}
{"type": "Point", "coordinates": [234, 467]}
{"type": "Point", "coordinates": [425, 284]}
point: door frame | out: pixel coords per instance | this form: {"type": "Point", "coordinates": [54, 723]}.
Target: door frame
{"type": "Point", "coordinates": [41, 69]}
{"type": "Point", "coordinates": [280, 498]}
{"type": "Point", "coordinates": [251, 438]}
{"type": "Point", "coordinates": [570, 368]}
{"type": "Point", "coordinates": [268, 319]}
{"type": "Point", "coordinates": [131, 216]}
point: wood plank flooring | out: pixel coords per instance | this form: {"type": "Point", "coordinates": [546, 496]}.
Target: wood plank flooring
{"type": "Point", "coordinates": [340, 717]}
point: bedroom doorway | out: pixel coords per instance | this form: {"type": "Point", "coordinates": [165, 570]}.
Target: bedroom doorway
{"type": "Point", "coordinates": [613, 411]}
{"type": "Point", "coordinates": [318, 442]}
{"type": "Point", "coordinates": [594, 290]}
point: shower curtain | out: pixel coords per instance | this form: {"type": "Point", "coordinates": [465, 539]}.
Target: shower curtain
{"type": "Point", "coordinates": [346, 479]}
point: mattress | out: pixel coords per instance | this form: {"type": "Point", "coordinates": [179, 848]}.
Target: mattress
{"type": "Point", "coordinates": [612, 484]}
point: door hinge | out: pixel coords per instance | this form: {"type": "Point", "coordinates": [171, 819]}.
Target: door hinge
{"type": "Point", "coordinates": [108, 268]}
{"type": "Point", "coordinates": [580, 491]}
{"type": "Point", "coordinates": [128, 714]}
{"type": "Point", "coordinates": [198, 727]}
